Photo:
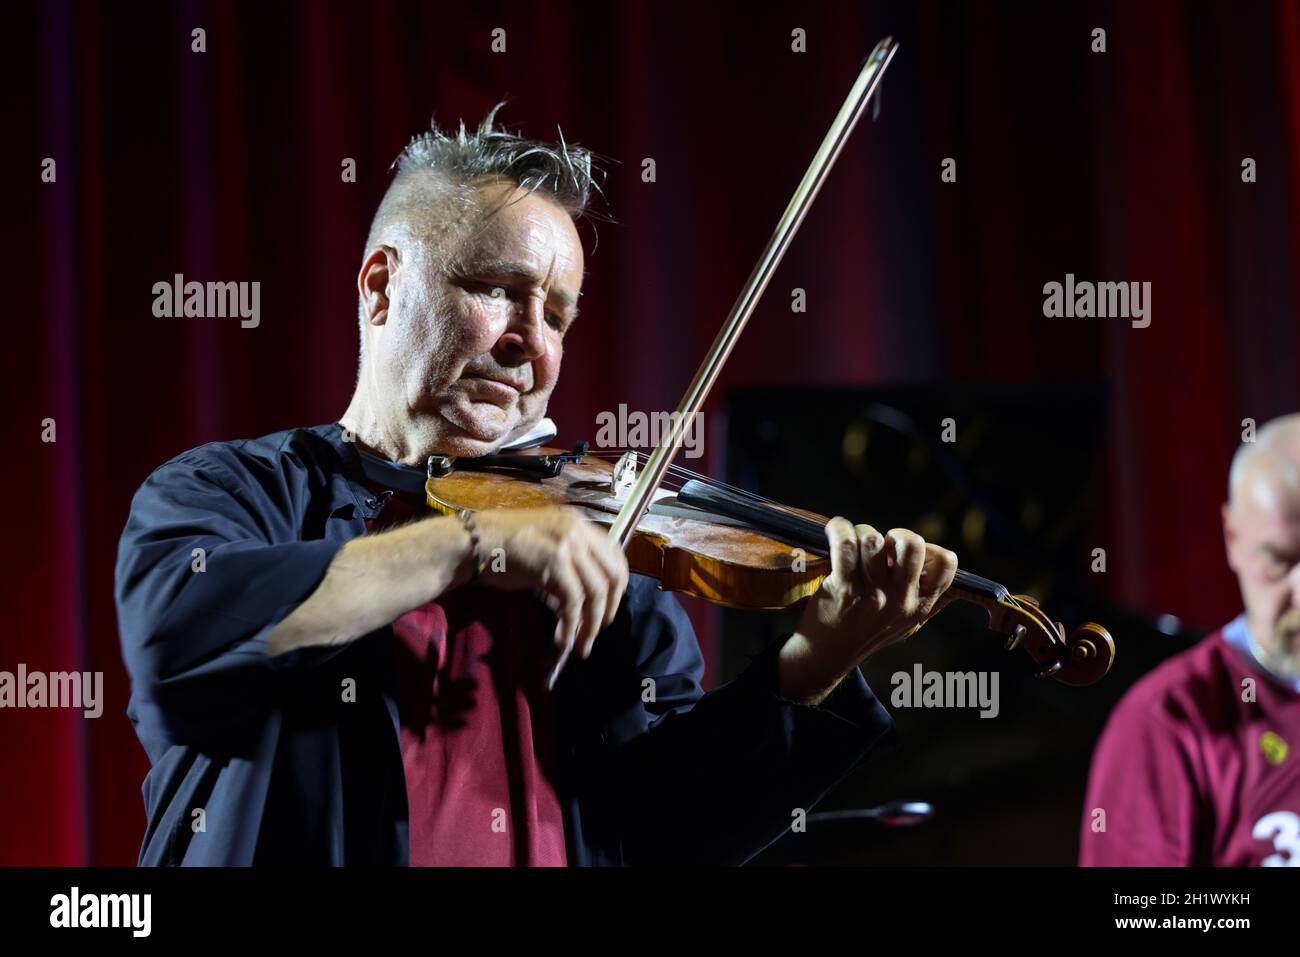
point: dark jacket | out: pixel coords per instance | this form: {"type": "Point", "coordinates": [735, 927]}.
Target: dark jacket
{"type": "Point", "coordinates": [257, 759]}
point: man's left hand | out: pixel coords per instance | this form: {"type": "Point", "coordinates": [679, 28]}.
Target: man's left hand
{"type": "Point", "coordinates": [881, 589]}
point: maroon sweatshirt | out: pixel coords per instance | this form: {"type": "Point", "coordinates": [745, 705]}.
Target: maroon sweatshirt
{"type": "Point", "coordinates": [1199, 764]}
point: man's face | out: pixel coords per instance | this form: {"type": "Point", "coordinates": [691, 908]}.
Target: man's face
{"type": "Point", "coordinates": [1262, 533]}
{"type": "Point", "coordinates": [468, 354]}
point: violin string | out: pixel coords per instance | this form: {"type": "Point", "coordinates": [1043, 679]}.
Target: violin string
{"type": "Point", "coordinates": [678, 470]}
{"type": "Point", "coordinates": [754, 497]}
{"type": "Point", "coordinates": [679, 477]}
{"type": "Point", "coordinates": [683, 471]}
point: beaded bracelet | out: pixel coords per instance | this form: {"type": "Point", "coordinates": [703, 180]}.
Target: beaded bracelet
{"type": "Point", "coordinates": [480, 563]}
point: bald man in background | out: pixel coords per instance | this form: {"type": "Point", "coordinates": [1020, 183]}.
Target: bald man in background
{"type": "Point", "coordinates": [1200, 762]}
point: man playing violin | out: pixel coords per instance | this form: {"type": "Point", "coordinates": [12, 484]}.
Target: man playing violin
{"type": "Point", "coordinates": [1198, 764]}
{"type": "Point", "coordinates": [324, 674]}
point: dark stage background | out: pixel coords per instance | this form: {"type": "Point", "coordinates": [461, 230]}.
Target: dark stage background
{"type": "Point", "coordinates": [225, 165]}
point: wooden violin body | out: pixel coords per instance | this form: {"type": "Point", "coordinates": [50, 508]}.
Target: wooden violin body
{"type": "Point", "coordinates": [723, 564]}
{"type": "Point", "coordinates": [735, 550]}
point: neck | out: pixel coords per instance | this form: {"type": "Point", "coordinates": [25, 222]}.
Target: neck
{"type": "Point", "coordinates": [372, 432]}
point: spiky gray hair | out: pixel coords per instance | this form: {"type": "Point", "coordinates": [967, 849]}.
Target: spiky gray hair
{"type": "Point", "coordinates": [564, 172]}
{"type": "Point", "coordinates": [433, 192]}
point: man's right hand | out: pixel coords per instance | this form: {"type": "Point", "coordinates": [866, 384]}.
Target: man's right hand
{"type": "Point", "coordinates": [567, 561]}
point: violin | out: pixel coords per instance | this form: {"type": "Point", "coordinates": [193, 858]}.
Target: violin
{"type": "Point", "coordinates": [731, 547]}
{"type": "Point", "coordinates": [727, 545]}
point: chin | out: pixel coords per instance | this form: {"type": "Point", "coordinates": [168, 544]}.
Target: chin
{"type": "Point", "coordinates": [465, 448]}
{"type": "Point", "coordinates": [469, 435]}
{"type": "Point", "coordinates": [1283, 656]}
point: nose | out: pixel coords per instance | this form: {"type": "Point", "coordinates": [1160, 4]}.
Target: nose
{"type": "Point", "coordinates": [524, 339]}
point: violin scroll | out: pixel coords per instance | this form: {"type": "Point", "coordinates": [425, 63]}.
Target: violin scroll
{"type": "Point", "coordinates": [1089, 653]}
{"type": "Point", "coordinates": [1081, 659]}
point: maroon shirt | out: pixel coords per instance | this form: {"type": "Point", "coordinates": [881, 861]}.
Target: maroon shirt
{"type": "Point", "coordinates": [1188, 773]}
{"type": "Point", "coordinates": [477, 725]}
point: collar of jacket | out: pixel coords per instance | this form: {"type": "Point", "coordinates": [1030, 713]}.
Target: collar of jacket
{"type": "Point", "coordinates": [352, 498]}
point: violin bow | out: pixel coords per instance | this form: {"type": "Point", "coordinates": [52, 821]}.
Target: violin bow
{"type": "Point", "coordinates": [652, 474]}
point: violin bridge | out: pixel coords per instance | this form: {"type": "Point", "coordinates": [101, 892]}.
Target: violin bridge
{"type": "Point", "coordinates": [623, 477]}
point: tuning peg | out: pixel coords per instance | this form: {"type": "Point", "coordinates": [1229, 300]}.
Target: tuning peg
{"type": "Point", "coordinates": [1017, 636]}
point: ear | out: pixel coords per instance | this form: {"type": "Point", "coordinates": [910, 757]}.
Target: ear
{"type": "Point", "coordinates": [1229, 533]}
{"type": "Point", "coordinates": [374, 283]}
